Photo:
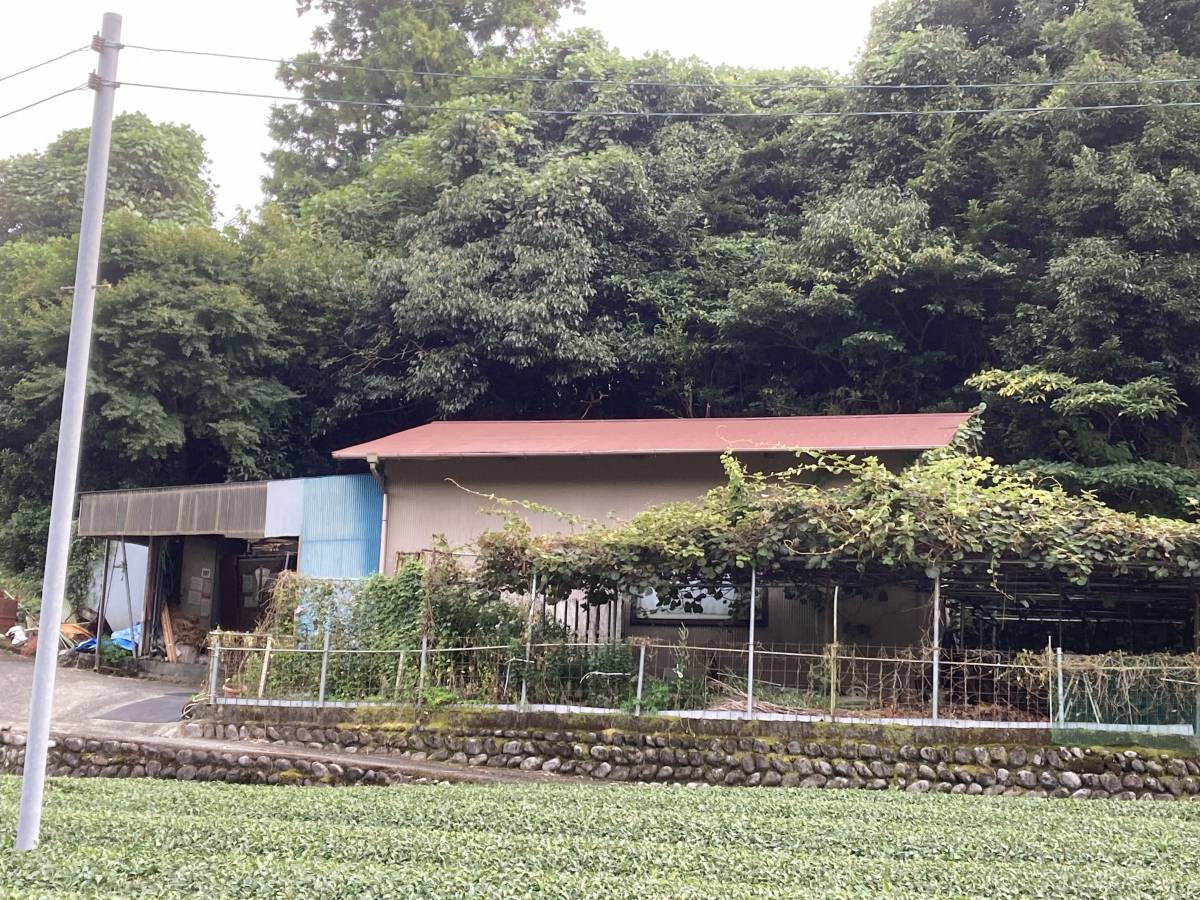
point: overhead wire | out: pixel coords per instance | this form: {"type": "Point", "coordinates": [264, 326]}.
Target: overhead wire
{"type": "Point", "coordinates": [13, 112]}
{"type": "Point", "coordinates": [45, 62]}
{"type": "Point", "coordinates": [659, 114]}
{"type": "Point", "coordinates": [720, 85]}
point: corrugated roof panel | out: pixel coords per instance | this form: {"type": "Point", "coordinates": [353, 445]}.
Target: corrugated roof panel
{"type": "Point", "coordinates": [341, 525]}
{"type": "Point", "coordinates": [102, 514]}
{"type": "Point", "coordinates": [233, 510]}
{"type": "Point", "coordinates": [578, 437]}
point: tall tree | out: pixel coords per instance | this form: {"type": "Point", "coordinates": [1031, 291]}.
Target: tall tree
{"type": "Point", "coordinates": [383, 52]}
{"type": "Point", "coordinates": [158, 169]}
{"type": "Point", "coordinates": [181, 387]}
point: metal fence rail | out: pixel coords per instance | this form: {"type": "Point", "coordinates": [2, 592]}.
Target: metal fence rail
{"type": "Point", "coordinates": [766, 681]}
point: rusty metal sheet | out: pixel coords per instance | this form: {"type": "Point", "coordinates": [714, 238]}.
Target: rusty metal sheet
{"type": "Point", "coordinates": [585, 437]}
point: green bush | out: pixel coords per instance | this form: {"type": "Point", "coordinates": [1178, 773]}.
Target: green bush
{"type": "Point", "coordinates": [112, 654]}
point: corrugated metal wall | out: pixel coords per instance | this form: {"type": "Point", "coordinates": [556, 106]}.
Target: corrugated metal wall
{"type": "Point", "coordinates": [340, 530]}
{"type": "Point", "coordinates": [285, 508]}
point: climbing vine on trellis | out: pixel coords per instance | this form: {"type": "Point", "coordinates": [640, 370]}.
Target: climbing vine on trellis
{"type": "Point", "coordinates": [949, 508]}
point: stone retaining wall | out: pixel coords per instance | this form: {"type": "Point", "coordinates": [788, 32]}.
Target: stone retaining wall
{"type": "Point", "coordinates": [1094, 773]}
{"type": "Point", "coordinates": [84, 757]}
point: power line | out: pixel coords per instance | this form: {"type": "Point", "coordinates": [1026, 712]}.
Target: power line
{"type": "Point", "coordinates": [753, 85]}
{"type": "Point", "coordinates": [13, 112]}
{"type": "Point", "coordinates": [667, 114]}
{"type": "Point", "coordinates": [44, 62]}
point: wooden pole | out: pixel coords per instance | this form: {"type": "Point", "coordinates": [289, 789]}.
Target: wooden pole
{"type": "Point", "coordinates": [262, 678]}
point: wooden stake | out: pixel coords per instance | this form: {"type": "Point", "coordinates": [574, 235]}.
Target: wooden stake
{"type": "Point", "coordinates": [169, 637]}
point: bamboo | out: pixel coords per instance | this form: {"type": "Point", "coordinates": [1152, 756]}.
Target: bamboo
{"type": "Point", "coordinates": [169, 634]}
{"type": "Point", "coordinates": [262, 678]}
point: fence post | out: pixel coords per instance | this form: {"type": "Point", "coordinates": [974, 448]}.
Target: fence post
{"type": "Point", "coordinates": [1196, 721]}
{"type": "Point", "coordinates": [524, 706]}
{"type": "Point", "coordinates": [262, 678]}
{"type": "Point", "coordinates": [637, 703]}
{"type": "Point", "coordinates": [1196, 650]}
{"type": "Point", "coordinates": [832, 652]}
{"type": "Point", "coordinates": [1050, 681]}
{"type": "Point", "coordinates": [399, 676]}
{"type": "Point", "coordinates": [750, 655]}
{"type": "Point", "coordinates": [421, 671]}
{"type": "Point", "coordinates": [937, 643]}
{"type": "Point", "coordinates": [1062, 704]}
{"type": "Point", "coordinates": [214, 663]}
{"type": "Point", "coordinates": [833, 656]}
{"type": "Point", "coordinates": [324, 669]}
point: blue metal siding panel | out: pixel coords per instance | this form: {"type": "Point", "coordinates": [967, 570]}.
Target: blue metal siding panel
{"type": "Point", "coordinates": [340, 529]}
{"type": "Point", "coordinates": [285, 508]}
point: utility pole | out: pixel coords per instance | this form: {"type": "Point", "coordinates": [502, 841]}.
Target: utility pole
{"type": "Point", "coordinates": [66, 465]}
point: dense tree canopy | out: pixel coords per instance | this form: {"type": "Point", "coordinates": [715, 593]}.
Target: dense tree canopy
{"type": "Point", "coordinates": [559, 230]}
{"type": "Point", "coordinates": [390, 54]}
{"type": "Point", "coordinates": [160, 170]}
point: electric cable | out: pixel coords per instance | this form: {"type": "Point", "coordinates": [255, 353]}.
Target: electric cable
{"type": "Point", "coordinates": [753, 85]}
{"type": "Point", "coordinates": [44, 62]}
{"type": "Point", "coordinates": [664, 114]}
{"type": "Point", "coordinates": [13, 112]}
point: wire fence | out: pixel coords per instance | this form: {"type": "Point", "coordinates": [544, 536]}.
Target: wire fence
{"type": "Point", "coordinates": [721, 680]}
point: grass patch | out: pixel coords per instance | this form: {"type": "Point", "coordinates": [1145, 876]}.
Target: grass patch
{"type": "Point", "coordinates": [105, 838]}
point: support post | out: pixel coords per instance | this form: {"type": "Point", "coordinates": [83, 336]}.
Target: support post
{"type": "Point", "coordinates": [214, 667]}
{"type": "Point", "coordinates": [837, 588]}
{"type": "Point", "coordinates": [1196, 649]}
{"type": "Point", "coordinates": [421, 670]}
{"type": "Point", "coordinates": [750, 654]}
{"type": "Point", "coordinates": [103, 603]}
{"type": "Point", "coordinates": [1050, 676]}
{"type": "Point", "coordinates": [637, 703]}
{"type": "Point", "coordinates": [324, 669]}
{"type": "Point", "coordinates": [399, 676]}
{"type": "Point", "coordinates": [148, 592]}
{"type": "Point", "coordinates": [66, 463]}
{"type": "Point", "coordinates": [833, 657]}
{"type": "Point", "coordinates": [1062, 705]}
{"type": "Point", "coordinates": [937, 644]}
{"type": "Point", "coordinates": [262, 677]}
{"type": "Point", "coordinates": [529, 645]}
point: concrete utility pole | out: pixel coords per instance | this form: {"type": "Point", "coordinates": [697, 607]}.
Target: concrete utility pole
{"type": "Point", "coordinates": [66, 465]}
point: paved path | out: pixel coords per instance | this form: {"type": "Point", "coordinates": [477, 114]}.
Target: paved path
{"type": "Point", "coordinates": [109, 707]}
{"type": "Point", "coordinates": [83, 699]}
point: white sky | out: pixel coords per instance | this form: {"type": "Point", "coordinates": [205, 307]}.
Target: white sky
{"type": "Point", "coordinates": [764, 33]}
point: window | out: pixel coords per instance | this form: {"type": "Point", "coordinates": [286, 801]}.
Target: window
{"type": "Point", "coordinates": [697, 604]}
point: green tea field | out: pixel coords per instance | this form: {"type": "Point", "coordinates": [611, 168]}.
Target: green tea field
{"type": "Point", "coordinates": [117, 838]}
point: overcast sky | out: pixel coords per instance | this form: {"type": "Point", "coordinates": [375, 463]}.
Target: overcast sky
{"type": "Point", "coordinates": [764, 33]}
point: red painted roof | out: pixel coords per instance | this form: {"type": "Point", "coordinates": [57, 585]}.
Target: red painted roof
{"type": "Point", "coordinates": [581, 437]}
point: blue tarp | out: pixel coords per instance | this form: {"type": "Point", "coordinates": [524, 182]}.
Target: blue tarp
{"type": "Point", "coordinates": [126, 639]}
